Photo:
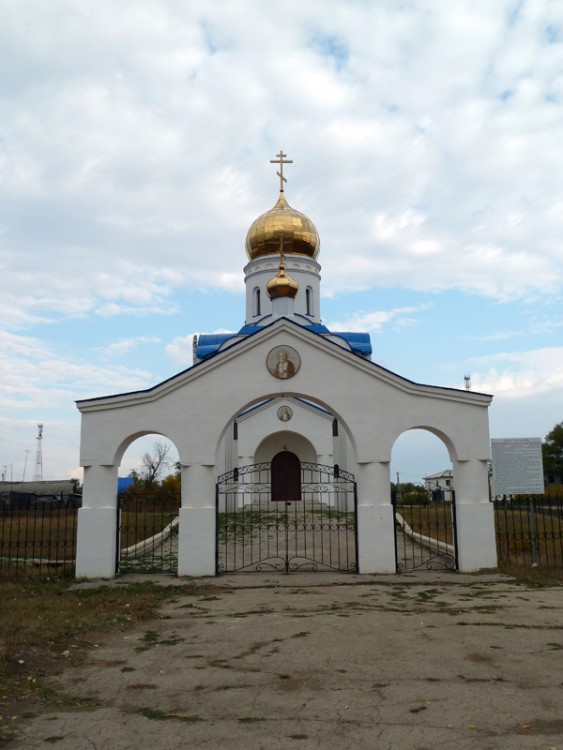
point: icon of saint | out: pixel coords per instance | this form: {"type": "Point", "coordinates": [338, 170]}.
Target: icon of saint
{"type": "Point", "coordinates": [284, 366]}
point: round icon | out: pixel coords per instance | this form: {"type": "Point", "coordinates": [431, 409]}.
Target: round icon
{"type": "Point", "coordinates": [283, 362]}
{"type": "Point", "coordinates": [284, 413]}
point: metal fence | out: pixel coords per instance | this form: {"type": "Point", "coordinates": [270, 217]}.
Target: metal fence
{"type": "Point", "coordinates": [425, 534]}
{"type": "Point", "coordinates": [38, 535]}
{"type": "Point", "coordinates": [529, 530]}
{"type": "Point", "coordinates": [147, 535]}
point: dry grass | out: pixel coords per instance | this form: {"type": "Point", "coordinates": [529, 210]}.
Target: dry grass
{"type": "Point", "coordinates": [44, 627]}
{"type": "Point", "coordinates": [537, 576]}
{"type": "Point", "coordinates": [135, 527]}
{"type": "Point", "coordinates": [39, 533]}
{"type": "Point", "coordinates": [434, 521]}
{"type": "Point", "coordinates": [515, 532]}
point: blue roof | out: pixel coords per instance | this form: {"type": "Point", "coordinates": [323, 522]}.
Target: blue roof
{"type": "Point", "coordinates": [359, 342]}
{"type": "Point", "coordinates": [317, 328]}
{"type": "Point", "coordinates": [248, 329]}
{"type": "Point", "coordinates": [123, 483]}
{"type": "Point", "coordinates": [210, 343]}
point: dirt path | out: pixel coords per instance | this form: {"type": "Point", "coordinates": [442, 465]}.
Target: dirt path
{"type": "Point", "coordinates": [306, 661]}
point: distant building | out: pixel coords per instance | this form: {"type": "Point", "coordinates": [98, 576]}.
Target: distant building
{"type": "Point", "coordinates": [29, 494]}
{"type": "Point", "coordinates": [441, 486]}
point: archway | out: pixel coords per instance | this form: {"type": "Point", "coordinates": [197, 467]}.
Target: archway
{"type": "Point", "coordinates": [148, 503]}
{"type": "Point", "coordinates": [423, 499]}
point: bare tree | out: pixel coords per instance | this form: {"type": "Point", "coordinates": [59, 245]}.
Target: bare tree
{"type": "Point", "coordinates": [155, 461]}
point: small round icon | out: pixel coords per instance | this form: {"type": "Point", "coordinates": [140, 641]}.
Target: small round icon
{"type": "Point", "coordinates": [285, 413]}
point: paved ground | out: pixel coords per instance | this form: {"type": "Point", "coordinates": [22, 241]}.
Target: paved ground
{"type": "Point", "coordinates": [417, 662]}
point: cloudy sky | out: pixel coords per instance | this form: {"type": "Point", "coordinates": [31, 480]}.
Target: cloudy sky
{"type": "Point", "coordinates": [135, 140]}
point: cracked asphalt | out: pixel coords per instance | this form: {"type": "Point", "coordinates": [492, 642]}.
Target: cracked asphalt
{"type": "Point", "coordinates": [417, 662]}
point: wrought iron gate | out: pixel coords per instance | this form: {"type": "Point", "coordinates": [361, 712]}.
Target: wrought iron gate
{"type": "Point", "coordinates": [425, 532]}
{"type": "Point", "coordinates": [147, 535]}
{"type": "Point", "coordinates": [314, 532]}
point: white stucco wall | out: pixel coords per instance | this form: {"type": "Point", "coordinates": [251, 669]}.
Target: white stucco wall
{"type": "Point", "coordinates": [314, 425]}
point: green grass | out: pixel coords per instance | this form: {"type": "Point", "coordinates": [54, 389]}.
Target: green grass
{"type": "Point", "coordinates": [155, 714]}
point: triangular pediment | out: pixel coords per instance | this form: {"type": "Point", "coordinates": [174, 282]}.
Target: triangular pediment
{"type": "Point", "coordinates": [326, 353]}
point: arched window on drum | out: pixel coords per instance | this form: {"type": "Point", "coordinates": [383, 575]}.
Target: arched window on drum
{"type": "Point", "coordinates": [308, 301]}
{"type": "Point", "coordinates": [256, 302]}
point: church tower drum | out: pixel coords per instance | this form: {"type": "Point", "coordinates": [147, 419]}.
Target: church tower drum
{"type": "Point", "coordinates": [282, 231]}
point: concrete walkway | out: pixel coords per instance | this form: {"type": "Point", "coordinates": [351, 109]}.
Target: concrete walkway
{"type": "Point", "coordinates": [417, 662]}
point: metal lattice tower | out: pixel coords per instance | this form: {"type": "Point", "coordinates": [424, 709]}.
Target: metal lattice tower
{"type": "Point", "coordinates": [38, 474]}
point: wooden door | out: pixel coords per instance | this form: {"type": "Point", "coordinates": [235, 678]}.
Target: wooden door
{"type": "Point", "coordinates": [286, 477]}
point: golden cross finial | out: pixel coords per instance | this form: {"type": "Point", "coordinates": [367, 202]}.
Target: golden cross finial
{"type": "Point", "coordinates": [281, 160]}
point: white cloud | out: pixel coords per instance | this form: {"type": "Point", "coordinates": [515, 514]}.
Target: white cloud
{"type": "Point", "coordinates": [180, 349]}
{"type": "Point", "coordinates": [519, 375]}
{"type": "Point", "coordinates": [123, 346]}
{"type": "Point", "coordinates": [375, 321]}
{"type": "Point", "coordinates": [134, 147]}
{"type": "Point", "coordinates": [120, 157]}
{"type": "Point", "coordinates": [35, 378]}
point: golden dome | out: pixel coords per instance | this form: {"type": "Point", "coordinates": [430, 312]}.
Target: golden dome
{"type": "Point", "coordinates": [282, 224]}
{"type": "Point", "coordinates": [282, 285]}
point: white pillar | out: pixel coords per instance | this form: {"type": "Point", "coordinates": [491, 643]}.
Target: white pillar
{"type": "Point", "coordinates": [376, 532]}
{"type": "Point", "coordinates": [196, 528]}
{"type": "Point", "coordinates": [96, 545]}
{"type": "Point", "coordinates": [476, 538]}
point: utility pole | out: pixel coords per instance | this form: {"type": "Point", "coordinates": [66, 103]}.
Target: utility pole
{"type": "Point", "coordinates": [38, 475]}
{"type": "Point", "coordinates": [25, 466]}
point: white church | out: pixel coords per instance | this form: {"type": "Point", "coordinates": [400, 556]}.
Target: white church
{"type": "Point", "coordinates": [284, 433]}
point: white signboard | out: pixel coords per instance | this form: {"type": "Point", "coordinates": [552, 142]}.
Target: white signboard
{"type": "Point", "coordinates": [517, 466]}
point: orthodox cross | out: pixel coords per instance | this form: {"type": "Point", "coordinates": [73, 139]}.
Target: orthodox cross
{"type": "Point", "coordinates": [281, 160]}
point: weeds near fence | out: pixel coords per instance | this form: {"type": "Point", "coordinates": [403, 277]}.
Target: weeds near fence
{"type": "Point", "coordinates": [529, 531]}
{"type": "Point", "coordinates": [40, 538]}
{"type": "Point", "coordinates": [537, 576]}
